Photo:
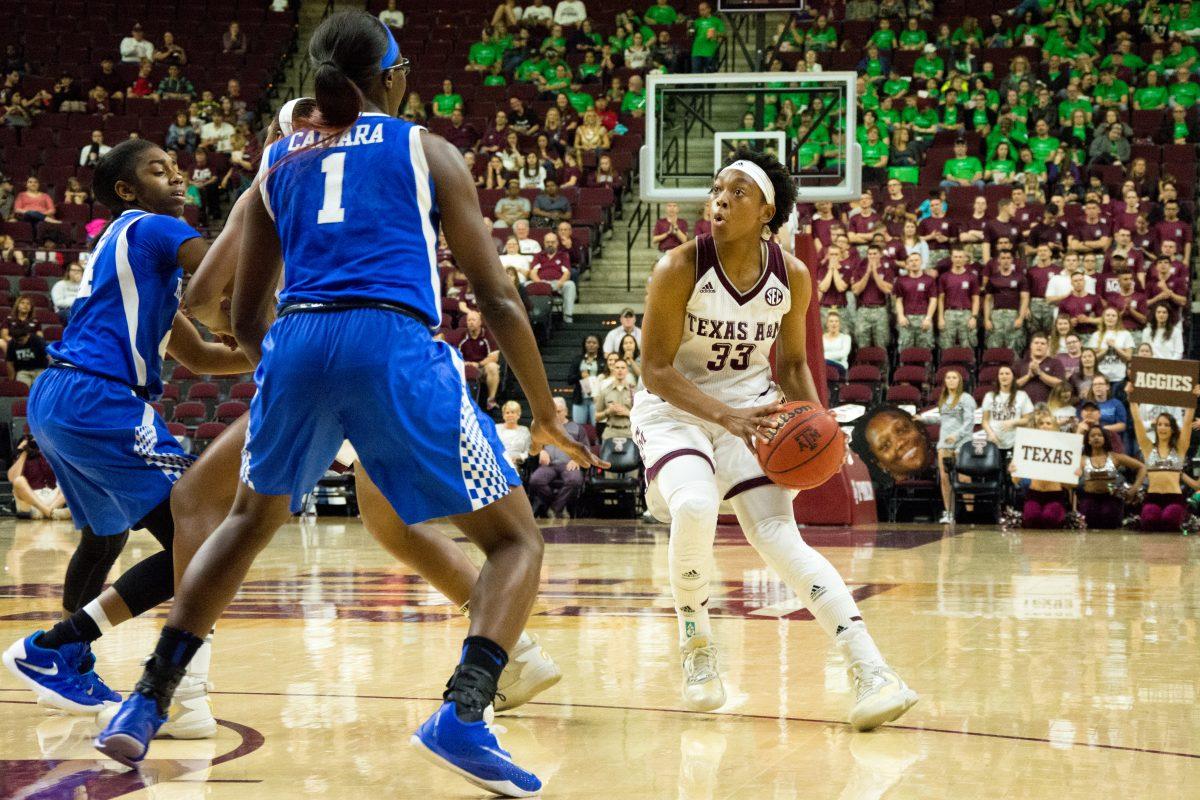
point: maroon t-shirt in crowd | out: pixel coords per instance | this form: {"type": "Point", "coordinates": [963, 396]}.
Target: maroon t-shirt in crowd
{"type": "Point", "coordinates": [915, 293]}
{"type": "Point", "coordinates": [1146, 242]}
{"type": "Point", "coordinates": [1107, 283]}
{"type": "Point", "coordinates": [864, 223]}
{"type": "Point", "coordinates": [476, 349]}
{"type": "Point", "coordinates": [942, 225]}
{"type": "Point", "coordinates": [894, 252]}
{"type": "Point", "coordinates": [1178, 231]}
{"type": "Point", "coordinates": [958, 290]}
{"type": "Point", "coordinates": [833, 298]}
{"type": "Point", "coordinates": [494, 139]}
{"type": "Point", "coordinates": [463, 137]}
{"type": "Point", "coordinates": [702, 227]}
{"type": "Point", "coordinates": [995, 229]}
{"type": "Point", "coordinates": [1006, 289]}
{"type": "Point", "coordinates": [822, 230]}
{"type": "Point", "coordinates": [1039, 278]}
{"type": "Point", "coordinates": [548, 267]}
{"type": "Point", "coordinates": [38, 472]}
{"type": "Point", "coordinates": [1053, 234]}
{"type": "Point", "coordinates": [672, 241]}
{"type": "Point", "coordinates": [1135, 301]}
{"type": "Point", "coordinates": [1089, 305]}
{"type": "Point", "coordinates": [1038, 391]}
{"type": "Point", "coordinates": [871, 295]}
{"type": "Point", "coordinates": [1177, 283]}
{"type": "Point", "coordinates": [972, 224]}
{"type": "Point", "coordinates": [1133, 259]}
{"type": "Point", "coordinates": [1025, 217]}
{"type": "Point", "coordinates": [1086, 231]}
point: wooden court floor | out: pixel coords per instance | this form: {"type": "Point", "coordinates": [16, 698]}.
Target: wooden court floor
{"type": "Point", "coordinates": [1051, 665]}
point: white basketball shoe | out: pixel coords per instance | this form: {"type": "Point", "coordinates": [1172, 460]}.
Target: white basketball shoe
{"type": "Point", "coordinates": [190, 717]}
{"type": "Point", "coordinates": [529, 672]}
{"type": "Point", "coordinates": [702, 687]}
{"type": "Point", "coordinates": [879, 695]}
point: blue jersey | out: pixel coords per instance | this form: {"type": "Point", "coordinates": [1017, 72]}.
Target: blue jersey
{"type": "Point", "coordinates": [358, 219]}
{"type": "Point", "coordinates": [122, 316]}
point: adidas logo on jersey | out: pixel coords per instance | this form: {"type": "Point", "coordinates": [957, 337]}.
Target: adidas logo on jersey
{"type": "Point", "coordinates": [708, 288]}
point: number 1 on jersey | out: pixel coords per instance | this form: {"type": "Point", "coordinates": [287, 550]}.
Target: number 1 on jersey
{"type": "Point", "coordinates": [333, 165]}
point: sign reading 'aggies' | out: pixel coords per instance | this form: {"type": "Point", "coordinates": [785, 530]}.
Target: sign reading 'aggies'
{"type": "Point", "coordinates": [1165, 382]}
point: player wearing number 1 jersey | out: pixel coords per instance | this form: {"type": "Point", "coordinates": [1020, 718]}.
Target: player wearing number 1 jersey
{"type": "Point", "coordinates": [352, 209]}
{"type": "Point", "coordinates": [715, 308]}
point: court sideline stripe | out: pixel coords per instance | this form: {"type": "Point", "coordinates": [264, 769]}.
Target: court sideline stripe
{"type": "Point", "coordinates": [769, 717]}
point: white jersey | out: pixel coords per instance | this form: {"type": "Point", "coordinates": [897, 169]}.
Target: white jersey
{"type": "Point", "coordinates": [725, 352]}
{"type": "Point", "coordinates": [728, 335]}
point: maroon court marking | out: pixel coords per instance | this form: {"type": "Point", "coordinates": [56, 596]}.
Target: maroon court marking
{"type": "Point", "coordinates": [776, 718]}
{"type": "Point", "coordinates": [102, 783]}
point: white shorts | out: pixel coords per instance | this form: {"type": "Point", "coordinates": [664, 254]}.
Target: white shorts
{"type": "Point", "coordinates": [44, 495]}
{"type": "Point", "coordinates": [664, 433]}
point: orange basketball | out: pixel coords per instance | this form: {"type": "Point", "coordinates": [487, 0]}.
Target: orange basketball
{"type": "Point", "coordinates": [807, 449]}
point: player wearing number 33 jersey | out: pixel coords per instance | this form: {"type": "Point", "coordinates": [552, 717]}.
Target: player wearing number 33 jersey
{"type": "Point", "coordinates": [714, 310]}
{"type": "Point", "coordinates": [725, 351]}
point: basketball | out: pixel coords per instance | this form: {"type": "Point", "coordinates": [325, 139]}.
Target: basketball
{"type": "Point", "coordinates": [807, 449]}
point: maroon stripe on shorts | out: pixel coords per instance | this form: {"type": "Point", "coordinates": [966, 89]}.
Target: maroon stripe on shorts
{"type": "Point", "coordinates": [652, 472]}
{"type": "Point", "coordinates": [745, 486]}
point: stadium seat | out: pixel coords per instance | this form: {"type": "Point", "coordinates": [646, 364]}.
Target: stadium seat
{"type": "Point", "coordinates": [190, 414]}
{"type": "Point", "coordinates": [204, 435]}
{"type": "Point", "coordinates": [958, 355]}
{"type": "Point", "coordinates": [911, 375]}
{"type": "Point", "coordinates": [178, 430]}
{"type": "Point", "coordinates": [904, 393]}
{"type": "Point", "coordinates": [13, 389]}
{"type": "Point", "coordinates": [872, 356]}
{"type": "Point", "coordinates": [995, 356]}
{"type": "Point", "coordinates": [855, 393]}
{"type": "Point", "coordinates": [918, 356]}
{"type": "Point", "coordinates": [243, 391]}
{"type": "Point", "coordinates": [230, 410]}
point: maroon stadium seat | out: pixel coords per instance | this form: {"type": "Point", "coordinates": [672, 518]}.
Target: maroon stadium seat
{"type": "Point", "coordinates": [230, 410]}
{"type": "Point", "coordinates": [904, 393]}
{"type": "Point", "coordinates": [243, 391]}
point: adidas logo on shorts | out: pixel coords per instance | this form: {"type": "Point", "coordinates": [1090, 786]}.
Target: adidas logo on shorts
{"type": "Point", "coordinates": [708, 288]}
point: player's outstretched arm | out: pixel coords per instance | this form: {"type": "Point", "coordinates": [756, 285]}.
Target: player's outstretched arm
{"type": "Point", "coordinates": [791, 350]}
{"type": "Point", "coordinates": [498, 300]}
{"type": "Point", "coordinates": [212, 281]}
{"type": "Point", "coordinates": [259, 263]}
{"type": "Point", "coordinates": [671, 285]}
{"type": "Point", "coordinates": [203, 358]}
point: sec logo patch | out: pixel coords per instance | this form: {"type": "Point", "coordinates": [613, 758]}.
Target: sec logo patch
{"type": "Point", "coordinates": [774, 296]}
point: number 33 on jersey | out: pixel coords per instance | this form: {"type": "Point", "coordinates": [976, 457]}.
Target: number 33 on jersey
{"type": "Point", "coordinates": [728, 335]}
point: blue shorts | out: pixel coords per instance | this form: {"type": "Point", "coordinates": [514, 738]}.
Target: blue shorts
{"type": "Point", "coordinates": [379, 379]}
{"type": "Point", "coordinates": [113, 456]}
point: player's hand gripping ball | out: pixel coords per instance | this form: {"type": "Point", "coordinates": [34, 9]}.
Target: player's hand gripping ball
{"type": "Point", "coordinates": [807, 449]}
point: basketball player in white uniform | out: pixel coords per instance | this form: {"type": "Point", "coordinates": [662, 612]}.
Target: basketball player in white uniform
{"type": "Point", "coordinates": [715, 307]}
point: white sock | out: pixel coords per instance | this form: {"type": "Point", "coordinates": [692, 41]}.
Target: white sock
{"type": "Point", "coordinates": [200, 664]}
{"type": "Point", "coordinates": [524, 640]}
{"type": "Point", "coordinates": [96, 612]}
{"type": "Point", "coordinates": [689, 488]}
{"type": "Point", "coordinates": [768, 523]}
{"type": "Point", "coordinates": [858, 644]}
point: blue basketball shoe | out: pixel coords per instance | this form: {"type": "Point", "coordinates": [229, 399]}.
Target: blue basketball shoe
{"type": "Point", "coordinates": [55, 676]}
{"type": "Point", "coordinates": [87, 670]}
{"type": "Point", "coordinates": [471, 750]}
{"type": "Point", "coordinates": [127, 737]}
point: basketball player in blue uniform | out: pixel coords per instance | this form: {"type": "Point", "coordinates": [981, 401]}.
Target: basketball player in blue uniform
{"type": "Point", "coordinates": [353, 213]}
{"type": "Point", "coordinates": [113, 456]}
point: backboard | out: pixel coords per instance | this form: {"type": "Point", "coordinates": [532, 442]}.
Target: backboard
{"type": "Point", "coordinates": [807, 118]}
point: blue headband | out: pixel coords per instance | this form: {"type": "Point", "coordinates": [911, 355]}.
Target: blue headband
{"type": "Point", "coordinates": [393, 50]}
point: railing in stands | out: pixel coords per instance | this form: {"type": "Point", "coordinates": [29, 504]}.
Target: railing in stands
{"type": "Point", "coordinates": [641, 219]}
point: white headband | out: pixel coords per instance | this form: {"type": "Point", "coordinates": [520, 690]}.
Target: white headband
{"type": "Point", "coordinates": [756, 174]}
{"type": "Point", "coordinates": [285, 116]}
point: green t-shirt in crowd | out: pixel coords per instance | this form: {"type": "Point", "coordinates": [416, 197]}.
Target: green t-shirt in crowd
{"type": "Point", "coordinates": [1186, 53]}
{"type": "Point", "coordinates": [495, 80]}
{"type": "Point", "coordinates": [558, 43]}
{"type": "Point", "coordinates": [589, 70]}
{"type": "Point", "coordinates": [1113, 93]}
{"type": "Point", "coordinates": [580, 101]}
{"type": "Point", "coordinates": [873, 152]}
{"type": "Point", "coordinates": [661, 15]}
{"type": "Point", "coordinates": [701, 45]}
{"type": "Point", "coordinates": [913, 38]}
{"type": "Point", "coordinates": [884, 40]}
{"type": "Point", "coordinates": [634, 101]}
{"type": "Point", "coordinates": [1151, 98]}
{"type": "Point", "coordinates": [826, 39]}
{"type": "Point", "coordinates": [527, 69]}
{"type": "Point", "coordinates": [962, 168]}
{"type": "Point", "coordinates": [924, 119]}
{"type": "Point", "coordinates": [1184, 94]}
{"type": "Point", "coordinates": [1002, 167]}
{"type": "Point", "coordinates": [1067, 107]}
{"type": "Point", "coordinates": [895, 87]}
{"type": "Point", "coordinates": [483, 54]}
{"type": "Point", "coordinates": [928, 66]}
{"type": "Point", "coordinates": [443, 104]}
{"type": "Point", "coordinates": [1043, 147]}
{"type": "Point", "coordinates": [809, 154]}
